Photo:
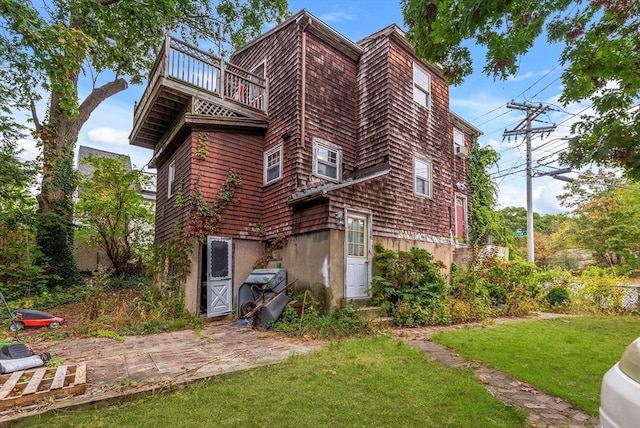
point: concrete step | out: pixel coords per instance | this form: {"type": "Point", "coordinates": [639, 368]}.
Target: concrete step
{"type": "Point", "coordinates": [369, 312]}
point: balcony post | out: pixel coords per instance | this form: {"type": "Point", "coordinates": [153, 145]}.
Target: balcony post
{"type": "Point", "coordinates": [221, 90]}
{"type": "Point", "coordinates": [167, 54]}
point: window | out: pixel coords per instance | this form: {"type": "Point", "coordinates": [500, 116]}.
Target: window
{"type": "Point", "coordinates": [458, 138]}
{"type": "Point", "coordinates": [171, 181]}
{"type": "Point", "coordinates": [256, 88]}
{"type": "Point", "coordinates": [273, 165]}
{"type": "Point", "coordinates": [421, 86]}
{"type": "Point", "coordinates": [327, 160]}
{"type": "Point", "coordinates": [422, 175]}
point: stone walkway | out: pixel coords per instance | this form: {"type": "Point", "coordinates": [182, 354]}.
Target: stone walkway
{"type": "Point", "coordinates": [123, 370]}
{"type": "Point", "coordinates": [544, 410]}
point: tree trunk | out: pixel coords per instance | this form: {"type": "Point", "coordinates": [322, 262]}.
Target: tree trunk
{"type": "Point", "coordinates": [58, 137]}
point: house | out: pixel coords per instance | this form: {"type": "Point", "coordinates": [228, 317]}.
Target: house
{"type": "Point", "coordinates": [339, 145]}
{"type": "Point", "coordinates": [89, 257]}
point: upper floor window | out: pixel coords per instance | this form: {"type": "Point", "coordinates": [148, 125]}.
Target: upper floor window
{"type": "Point", "coordinates": [458, 138]}
{"type": "Point", "coordinates": [421, 86]}
{"type": "Point", "coordinates": [171, 179]}
{"type": "Point", "coordinates": [422, 173]}
{"type": "Point", "coordinates": [273, 165]}
{"type": "Point", "coordinates": [327, 160]}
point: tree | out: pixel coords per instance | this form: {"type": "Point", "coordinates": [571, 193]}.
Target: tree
{"type": "Point", "coordinates": [18, 274]}
{"type": "Point", "coordinates": [515, 218]}
{"type": "Point", "coordinates": [601, 56]}
{"type": "Point", "coordinates": [606, 217]}
{"type": "Point", "coordinates": [485, 221]}
{"type": "Point", "coordinates": [112, 213]}
{"type": "Point", "coordinates": [50, 47]}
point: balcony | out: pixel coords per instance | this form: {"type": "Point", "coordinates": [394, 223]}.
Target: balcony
{"type": "Point", "coordinates": [188, 81]}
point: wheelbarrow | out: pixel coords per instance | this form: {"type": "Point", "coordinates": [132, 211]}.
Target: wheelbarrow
{"type": "Point", "coordinates": [262, 296]}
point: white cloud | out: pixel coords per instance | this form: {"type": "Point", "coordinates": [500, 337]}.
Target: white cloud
{"type": "Point", "coordinates": [339, 16]}
{"type": "Point", "coordinates": [521, 77]}
{"type": "Point", "coordinates": [108, 135]}
{"type": "Point", "coordinates": [29, 149]}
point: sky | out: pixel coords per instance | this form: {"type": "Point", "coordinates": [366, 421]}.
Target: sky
{"type": "Point", "coordinates": [480, 100]}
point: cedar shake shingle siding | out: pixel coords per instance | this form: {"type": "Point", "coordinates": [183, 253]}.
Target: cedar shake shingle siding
{"type": "Point", "coordinates": [358, 97]}
{"type": "Point", "coordinates": [282, 52]}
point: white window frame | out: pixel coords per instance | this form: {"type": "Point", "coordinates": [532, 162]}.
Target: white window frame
{"type": "Point", "coordinates": [318, 144]}
{"type": "Point", "coordinates": [267, 167]}
{"type": "Point", "coordinates": [255, 94]}
{"type": "Point", "coordinates": [458, 138]}
{"type": "Point", "coordinates": [418, 165]}
{"type": "Point", "coordinates": [421, 86]}
{"type": "Point", "coordinates": [171, 179]}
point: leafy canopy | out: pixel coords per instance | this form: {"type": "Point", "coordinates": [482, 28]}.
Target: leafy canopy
{"type": "Point", "coordinates": [112, 212]}
{"type": "Point", "coordinates": [44, 44]}
{"type": "Point", "coordinates": [601, 59]}
{"type": "Point", "coordinates": [606, 217]}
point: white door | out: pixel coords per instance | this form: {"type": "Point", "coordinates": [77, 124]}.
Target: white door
{"type": "Point", "coordinates": [219, 284]}
{"type": "Point", "coordinates": [357, 238]}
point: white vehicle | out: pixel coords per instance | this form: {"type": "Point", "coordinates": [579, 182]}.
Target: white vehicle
{"type": "Point", "coordinates": [620, 392]}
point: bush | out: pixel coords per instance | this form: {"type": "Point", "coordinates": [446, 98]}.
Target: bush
{"type": "Point", "coordinates": [409, 287]}
{"type": "Point", "coordinates": [342, 323]}
{"type": "Point", "coordinates": [558, 296]}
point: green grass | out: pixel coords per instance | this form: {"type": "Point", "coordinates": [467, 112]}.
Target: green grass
{"type": "Point", "coordinates": [565, 357]}
{"type": "Point", "coordinates": [372, 382]}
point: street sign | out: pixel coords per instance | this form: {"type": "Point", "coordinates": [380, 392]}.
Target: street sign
{"type": "Point", "coordinates": [520, 233]}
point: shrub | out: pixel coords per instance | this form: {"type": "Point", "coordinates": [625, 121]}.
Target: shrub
{"type": "Point", "coordinates": [409, 287]}
{"type": "Point", "coordinates": [344, 322]}
{"type": "Point", "coordinates": [558, 296]}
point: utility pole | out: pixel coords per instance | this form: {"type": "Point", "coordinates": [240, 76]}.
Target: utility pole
{"type": "Point", "coordinates": [525, 127]}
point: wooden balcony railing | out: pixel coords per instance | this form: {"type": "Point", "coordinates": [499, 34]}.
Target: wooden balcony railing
{"type": "Point", "coordinates": [189, 65]}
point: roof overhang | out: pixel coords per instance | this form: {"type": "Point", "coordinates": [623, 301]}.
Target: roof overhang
{"type": "Point", "coordinates": [323, 190]}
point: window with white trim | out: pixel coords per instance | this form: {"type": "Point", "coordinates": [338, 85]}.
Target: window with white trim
{"type": "Point", "coordinates": [458, 138]}
{"type": "Point", "coordinates": [273, 165]}
{"type": "Point", "coordinates": [171, 179]}
{"type": "Point", "coordinates": [422, 174]}
{"type": "Point", "coordinates": [327, 160]}
{"type": "Point", "coordinates": [421, 86]}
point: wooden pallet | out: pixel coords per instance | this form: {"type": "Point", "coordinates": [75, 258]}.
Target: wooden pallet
{"type": "Point", "coordinates": [27, 386]}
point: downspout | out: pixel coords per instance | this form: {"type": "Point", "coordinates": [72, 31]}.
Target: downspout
{"type": "Point", "coordinates": [303, 109]}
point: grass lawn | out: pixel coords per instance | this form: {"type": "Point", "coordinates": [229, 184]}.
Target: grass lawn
{"type": "Point", "coordinates": [565, 357]}
{"type": "Point", "coordinates": [373, 382]}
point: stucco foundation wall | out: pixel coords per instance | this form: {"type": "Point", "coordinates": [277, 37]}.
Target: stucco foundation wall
{"type": "Point", "coordinates": [441, 252]}
{"type": "Point", "coordinates": [245, 255]}
{"type": "Point", "coordinates": [309, 258]}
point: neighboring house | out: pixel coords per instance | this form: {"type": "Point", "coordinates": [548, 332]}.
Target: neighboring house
{"type": "Point", "coordinates": [88, 258]}
{"type": "Point", "coordinates": [340, 145]}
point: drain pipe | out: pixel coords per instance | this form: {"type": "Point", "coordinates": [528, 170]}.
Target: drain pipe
{"type": "Point", "coordinates": [303, 109]}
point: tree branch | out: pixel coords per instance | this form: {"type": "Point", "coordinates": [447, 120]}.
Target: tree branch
{"type": "Point", "coordinates": [108, 2]}
{"type": "Point", "coordinates": [34, 115]}
{"type": "Point", "coordinates": [96, 97]}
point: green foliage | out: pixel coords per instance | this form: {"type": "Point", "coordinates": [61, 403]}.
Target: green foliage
{"type": "Point", "coordinates": [108, 334]}
{"type": "Point", "coordinates": [600, 57]}
{"type": "Point", "coordinates": [598, 291]}
{"type": "Point", "coordinates": [498, 287]}
{"type": "Point", "coordinates": [113, 214]}
{"type": "Point", "coordinates": [408, 285]}
{"type": "Point", "coordinates": [558, 296]}
{"type": "Point", "coordinates": [46, 49]}
{"type": "Point", "coordinates": [606, 218]}
{"type": "Point", "coordinates": [55, 240]}
{"type": "Point", "coordinates": [485, 222]}
{"type": "Point", "coordinates": [342, 323]}
{"type": "Point", "coordinates": [19, 274]}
